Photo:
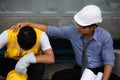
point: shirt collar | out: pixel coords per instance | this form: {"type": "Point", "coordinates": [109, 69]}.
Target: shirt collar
{"type": "Point", "coordinates": [94, 35]}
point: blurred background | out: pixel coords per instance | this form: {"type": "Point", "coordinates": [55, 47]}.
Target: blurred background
{"type": "Point", "coordinates": [58, 12]}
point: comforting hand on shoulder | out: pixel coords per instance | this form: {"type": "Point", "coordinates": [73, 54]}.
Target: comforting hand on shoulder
{"type": "Point", "coordinates": [24, 62]}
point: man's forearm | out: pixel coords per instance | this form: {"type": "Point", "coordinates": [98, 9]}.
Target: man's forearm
{"type": "Point", "coordinates": [39, 26]}
{"type": "Point", "coordinates": [107, 72]}
{"type": "Point", "coordinates": [47, 57]}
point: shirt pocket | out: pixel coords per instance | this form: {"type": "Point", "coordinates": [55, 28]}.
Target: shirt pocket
{"type": "Point", "coordinates": [95, 51]}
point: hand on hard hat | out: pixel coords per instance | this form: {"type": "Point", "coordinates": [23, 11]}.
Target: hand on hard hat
{"type": "Point", "coordinates": [24, 62]}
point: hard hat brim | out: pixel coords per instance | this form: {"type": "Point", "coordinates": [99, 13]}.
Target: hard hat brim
{"type": "Point", "coordinates": [78, 21]}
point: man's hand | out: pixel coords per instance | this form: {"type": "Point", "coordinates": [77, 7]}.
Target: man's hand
{"type": "Point", "coordinates": [24, 62]}
{"type": "Point", "coordinates": [18, 26]}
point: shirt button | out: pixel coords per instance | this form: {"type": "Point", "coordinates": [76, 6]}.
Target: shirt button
{"type": "Point", "coordinates": [88, 55]}
{"type": "Point", "coordinates": [89, 62]}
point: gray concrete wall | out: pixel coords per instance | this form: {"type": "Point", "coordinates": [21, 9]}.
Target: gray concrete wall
{"type": "Point", "coordinates": [54, 7]}
{"type": "Point", "coordinates": [112, 24]}
{"type": "Point", "coordinates": [57, 12]}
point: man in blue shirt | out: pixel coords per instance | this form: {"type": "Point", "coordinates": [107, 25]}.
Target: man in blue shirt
{"type": "Point", "coordinates": [86, 38]}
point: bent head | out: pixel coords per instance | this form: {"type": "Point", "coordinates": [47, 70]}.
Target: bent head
{"type": "Point", "coordinates": [26, 37]}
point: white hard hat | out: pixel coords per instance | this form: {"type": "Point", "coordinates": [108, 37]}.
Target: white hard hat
{"type": "Point", "coordinates": [90, 14]}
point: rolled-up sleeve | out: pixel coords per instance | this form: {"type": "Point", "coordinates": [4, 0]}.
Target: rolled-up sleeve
{"type": "Point", "coordinates": [108, 52]}
{"type": "Point", "coordinates": [61, 32]}
{"type": "Point", "coordinates": [44, 42]}
{"type": "Point", "coordinates": [3, 39]}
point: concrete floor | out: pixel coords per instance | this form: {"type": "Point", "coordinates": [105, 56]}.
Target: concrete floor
{"type": "Point", "coordinates": [1, 78]}
{"type": "Point", "coordinates": [52, 68]}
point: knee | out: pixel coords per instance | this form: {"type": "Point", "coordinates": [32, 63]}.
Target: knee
{"type": "Point", "coordinates": [56, 76]}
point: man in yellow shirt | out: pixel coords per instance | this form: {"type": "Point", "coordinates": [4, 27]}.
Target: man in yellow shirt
{"type": "Point", "coordinates": [27, 51]}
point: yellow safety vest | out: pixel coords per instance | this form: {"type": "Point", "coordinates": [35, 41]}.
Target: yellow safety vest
{"type": "Point", "coordinates": [13, 48]}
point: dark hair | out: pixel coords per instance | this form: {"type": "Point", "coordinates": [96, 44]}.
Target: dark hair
{"type": "Point", "coordinates": [26, 37]}
{"type": "Point", "coordinates": [90, 26]}
{"type": "Point", "coordinates": [93, 25]}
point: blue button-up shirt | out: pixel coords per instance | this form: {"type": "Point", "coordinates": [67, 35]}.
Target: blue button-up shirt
{"type": "Point", "coordinates": [99, 51]}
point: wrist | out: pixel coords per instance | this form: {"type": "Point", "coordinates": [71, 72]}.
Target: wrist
{"type": "Point", "coordinates": [105, 78]}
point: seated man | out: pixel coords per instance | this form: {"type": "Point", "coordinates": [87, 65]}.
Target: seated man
{"type": "Point", "coordinates": [92, 45]}
{"type": "Point", "coordinates": [29, 48]}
